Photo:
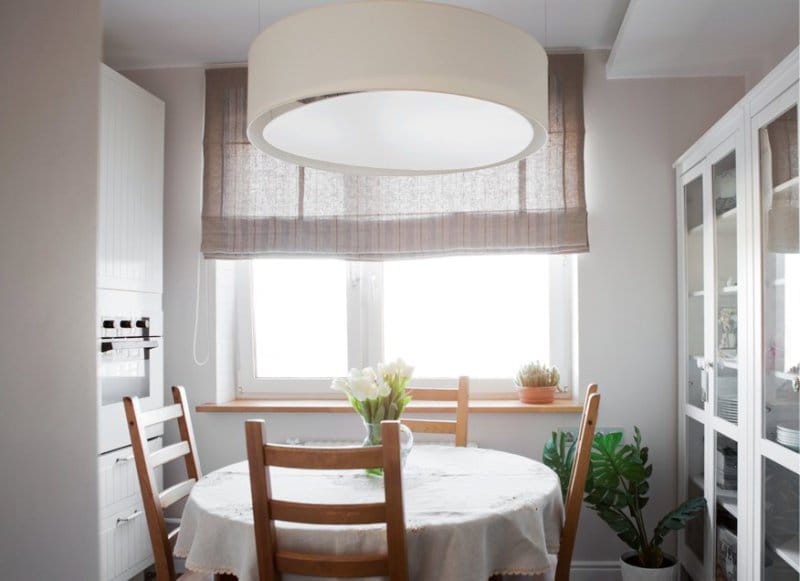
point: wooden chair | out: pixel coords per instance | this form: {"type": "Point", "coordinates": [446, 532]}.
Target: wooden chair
{"type": "Point", "coordinates": [156, 502]}
{"type": "Point", "coordinates": [272, 561]}
{"type": "Point", "coordinates": [458, 427]}
{"type": "Point", "coordinates": [577, 482]}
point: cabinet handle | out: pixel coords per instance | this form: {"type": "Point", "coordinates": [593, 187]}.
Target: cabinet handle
{"type": "Point", "coordinates": [123, 459]}
{"type": "Point", "coordinates": [123, 520]}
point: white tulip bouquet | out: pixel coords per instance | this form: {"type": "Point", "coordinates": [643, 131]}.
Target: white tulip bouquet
{"type": "Point", "coordinates": [377, 396]}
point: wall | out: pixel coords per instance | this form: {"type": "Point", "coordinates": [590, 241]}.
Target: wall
{"type": "Point", "coordinates": [49, 55]}
{"type": "Point", "coordinates": [627, 301]}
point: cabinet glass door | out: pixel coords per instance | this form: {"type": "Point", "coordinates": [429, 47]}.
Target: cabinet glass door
{"type": "Point", "coordinates": [780, 220]}
{"type": "Point", "coordinates": [726, 493]}
{"type": "Point", "coordinates": [781, 525]}
{"type": "Point", "coordinates": [695, 311]}
{"type": "Point", "coordinates": [695, 532]}
{"type": "Point", "coordinates": [723, 185]}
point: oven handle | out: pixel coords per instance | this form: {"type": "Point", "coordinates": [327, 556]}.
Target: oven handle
{"type": "Point", "coordinates": [106, 346]}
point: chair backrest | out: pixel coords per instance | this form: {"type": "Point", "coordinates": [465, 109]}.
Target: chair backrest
{"type": "Point", "coordinates": [577, 482]}
{"type": "Point", "coordinates": [272, 561]}
{"type": "Point", "coordinates": [156, 502]}
{"type": "Point", "coordinates": [459, 395]}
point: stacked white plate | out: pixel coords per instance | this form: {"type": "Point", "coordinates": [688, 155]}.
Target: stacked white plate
{"type": "Point", "coordinates": [789, 435]}
{"type": "Point", "coordinates": [728, 408]}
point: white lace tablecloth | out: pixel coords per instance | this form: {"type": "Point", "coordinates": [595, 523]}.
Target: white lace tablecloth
{"type": "Point", "coordinates": [470, 513]}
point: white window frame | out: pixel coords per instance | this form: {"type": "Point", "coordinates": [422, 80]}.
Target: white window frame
{"type": "Point", "coordinates": [365, 335]}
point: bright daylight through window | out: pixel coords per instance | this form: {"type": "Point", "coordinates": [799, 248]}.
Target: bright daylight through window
{"type": "Point", "coordinates": [305, 321]}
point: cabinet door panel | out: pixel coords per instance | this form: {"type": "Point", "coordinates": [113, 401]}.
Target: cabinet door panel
{"type": "Point", "coordinates": [131, 176]}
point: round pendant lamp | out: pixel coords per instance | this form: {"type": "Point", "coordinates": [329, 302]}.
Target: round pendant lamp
{"type": "Point", "coordinates": [396, 87]}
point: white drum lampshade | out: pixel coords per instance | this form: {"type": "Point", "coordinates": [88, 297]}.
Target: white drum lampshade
{"type": "Point", "coordinates": [396, 87]}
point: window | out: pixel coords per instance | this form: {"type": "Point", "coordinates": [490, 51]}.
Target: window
{"type": "Point", "coordinates": [304, 321]}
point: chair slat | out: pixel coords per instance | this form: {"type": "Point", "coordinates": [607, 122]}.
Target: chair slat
{"type": "Point", "coordinates": [332, 566]}
{"type": "Point", "coordinates": [172, 537]}
{"type": "Point", "coordinates": [174, 493]}
{"type": "Point", "coordinates": [446, 395]}
{"type": "Point", "coordinates": [323, 458]}
{"type": "Point", "coordinates": [168, 454]}
{"type": "Point", "coordinates": [433, 393]}
{"type": "Point", "coordinates": [328, 514]}
{"type": "Point", "coordinates": [160, 415]}
{"type": "Point", "coordinates": [430, 426]}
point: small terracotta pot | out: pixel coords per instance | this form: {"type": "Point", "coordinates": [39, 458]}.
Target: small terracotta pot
{"type": "Point", "coordinates": [536, 394]}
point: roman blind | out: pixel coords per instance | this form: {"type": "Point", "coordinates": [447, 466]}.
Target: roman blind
{"type": "Point", "coordinates": [255, 205]}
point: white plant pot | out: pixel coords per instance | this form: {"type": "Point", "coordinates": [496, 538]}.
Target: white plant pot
{"type": "Point", "coordinates": [633, 573]}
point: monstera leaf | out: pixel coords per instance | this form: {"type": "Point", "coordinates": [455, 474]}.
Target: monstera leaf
{"type": "Point", "coordinates": [559, 457]}
{"type": "Point", "coordinates": [678, 518]}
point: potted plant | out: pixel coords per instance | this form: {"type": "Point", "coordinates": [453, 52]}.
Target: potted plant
{"type": "Point", "coordinates": [537, 383]}
{"type": "Point", "coordinates": [616, 489]}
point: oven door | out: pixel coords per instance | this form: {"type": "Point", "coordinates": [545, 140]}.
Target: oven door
{"type": "Point", "coordinates": [128, 365]}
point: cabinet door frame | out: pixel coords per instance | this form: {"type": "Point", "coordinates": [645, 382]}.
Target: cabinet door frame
{"type": "Point", "coordinates": [784, 98]}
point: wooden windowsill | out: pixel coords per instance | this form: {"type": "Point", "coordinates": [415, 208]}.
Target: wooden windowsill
{"type": "Point", "coordinates": [479, 406]}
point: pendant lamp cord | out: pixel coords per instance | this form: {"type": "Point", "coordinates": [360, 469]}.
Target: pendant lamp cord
{"type": "Point", "coordinates": [201, 266]}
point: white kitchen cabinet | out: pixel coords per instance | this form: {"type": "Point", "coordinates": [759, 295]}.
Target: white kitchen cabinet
{"type": "Point", "coordinates": [125, 548]}
{"type": "Point", "coordinates": [131, 186]}
{"type": "Point", "coordinates": [739, 337]}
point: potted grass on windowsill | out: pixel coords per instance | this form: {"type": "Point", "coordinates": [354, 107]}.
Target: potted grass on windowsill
{"type": "Point", "coordinates": [537, 383]}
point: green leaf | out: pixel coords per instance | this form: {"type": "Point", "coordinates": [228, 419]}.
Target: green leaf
{"type": "Point", "coordinates": [559, 458]}
{"type": "Point", "coordinates": [678, 518]}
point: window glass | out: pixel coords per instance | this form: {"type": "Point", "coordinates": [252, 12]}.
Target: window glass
{"type": "Point", "coordinates": [481, 316]}
{"type": "Point", "coordinates": [299, 317]}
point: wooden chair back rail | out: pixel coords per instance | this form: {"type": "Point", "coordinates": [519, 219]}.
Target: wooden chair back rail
{"type": "Point", "coordinates": [430, 426]}
{"type": "Point", "coordinates": [271, 561]}
{"type": "Point", "coordinates": [176, 492]}
{"type": "Point", "coordinates": [459, 394]}
{"type": "Point", "coordinates": [327, 514]}
{"type": "Point", "coordinates": [577, 484]}
{"type": "Point", "coordinates": [323, 458]}
{"type": "Point", "coordinates": [146, 463]}
{"type": "Point", "coordinates": [433, 393]}
{"type": "Point", "coordinates": [160, 415]}
{"type": "Point", "coordinates": [169, 453]}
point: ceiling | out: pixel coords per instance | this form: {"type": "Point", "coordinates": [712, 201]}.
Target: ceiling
{"type": "Point", "coordinates": [686, 38]}
{"type": "Point", "coordinates": [166, 33]}
{"type": "Point", "coordinates": [650, 38]}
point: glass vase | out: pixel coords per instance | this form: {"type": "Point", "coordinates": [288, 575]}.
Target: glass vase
{"type": "Point", "coordinates": [373, 438]}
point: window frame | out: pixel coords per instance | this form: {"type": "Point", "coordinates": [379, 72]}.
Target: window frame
{"type": "Point", "coordinates": [365, 343]}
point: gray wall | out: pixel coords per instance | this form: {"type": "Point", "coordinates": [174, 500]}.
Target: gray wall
{"type": "Point", "coordinates": [49, 55]}
{"type": "Point", "coordinates": [626, 304]}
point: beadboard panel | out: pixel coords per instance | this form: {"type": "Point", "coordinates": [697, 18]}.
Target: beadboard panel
{"type": "Point", "coordinates": [131, 186]}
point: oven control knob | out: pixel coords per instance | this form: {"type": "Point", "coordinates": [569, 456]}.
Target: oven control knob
{"type": "Point", "coordinates": [143, 323]}
{"type": "Point", "coordinates": [125, 324]}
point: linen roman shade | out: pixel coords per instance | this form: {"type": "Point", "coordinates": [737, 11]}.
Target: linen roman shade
{"type": "Point", "coordinates": [255, 205]}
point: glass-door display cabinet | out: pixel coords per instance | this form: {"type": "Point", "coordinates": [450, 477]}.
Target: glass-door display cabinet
{"type": "Point", "coordinates": [739, 338]}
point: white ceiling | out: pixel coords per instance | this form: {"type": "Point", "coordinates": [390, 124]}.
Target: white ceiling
{"type": "Point", "coordinates": [680, 38]}
{"type": "Point", "coordinates": [163, 33]}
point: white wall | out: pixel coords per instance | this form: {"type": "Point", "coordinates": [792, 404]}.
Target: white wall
{"type": "Point", "coordinates": [627, 300]}
{"type": "Point", "coordinates": [49, 55]}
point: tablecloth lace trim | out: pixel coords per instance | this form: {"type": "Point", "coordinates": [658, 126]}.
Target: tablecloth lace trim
{"type": "Point", "coordinates": [526, 572]}
{"type": "Point", "coordinates": [192, 566]}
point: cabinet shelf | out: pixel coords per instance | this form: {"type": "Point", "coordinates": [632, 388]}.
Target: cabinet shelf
{"type": "Point", "coordinates": [788, 550]}
{"type": "Point", "coordinates": [788, 184]}
{"type": "Point", "coordinates": [697, 293]}
{"type": "Point", "coordinates": [730, 290]}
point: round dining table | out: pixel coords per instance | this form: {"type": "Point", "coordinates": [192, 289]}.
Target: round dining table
{"type": "Point", "coordinates": [470, 513]}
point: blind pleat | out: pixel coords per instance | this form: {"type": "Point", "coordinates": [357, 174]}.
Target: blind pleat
{"type": "Point", "coordinates": [255, 205]}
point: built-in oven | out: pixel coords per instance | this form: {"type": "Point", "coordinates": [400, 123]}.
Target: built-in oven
{"type": "Point", "coordinates": [129, 360]}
